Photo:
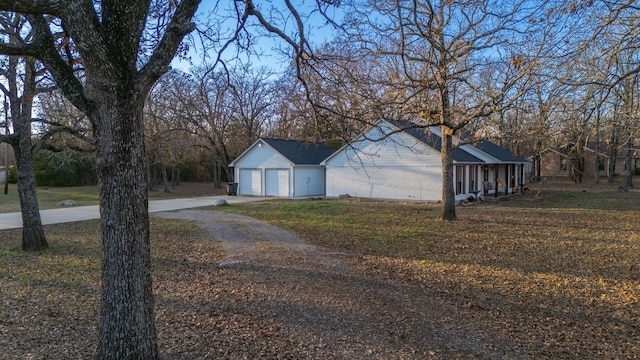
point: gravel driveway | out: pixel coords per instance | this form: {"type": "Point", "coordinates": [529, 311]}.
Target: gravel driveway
{"type": "Point", "coordinates": [310, 303]}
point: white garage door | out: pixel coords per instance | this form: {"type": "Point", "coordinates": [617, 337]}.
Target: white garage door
{"type": "Point", "coordinates": [277, 182]}
{"type": "Point", "coordinates": [250, 182]}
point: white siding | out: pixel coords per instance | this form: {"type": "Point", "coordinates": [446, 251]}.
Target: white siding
{"type": "Point", "coordinates": [400, 183]}
{"type": "Point", "coordinates": [262, 157]}
{"type": "Point", "coordinates": [398, 167]}
{"type": "Point", "coordinates": [277, 182]}
{"type": "Point", "coordinates": [309, 181]}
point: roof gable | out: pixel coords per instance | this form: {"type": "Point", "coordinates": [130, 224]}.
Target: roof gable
{"type": "Point", "coordinates": [433, 140]}
{"type": "Point", "coordinates": [300, 152]}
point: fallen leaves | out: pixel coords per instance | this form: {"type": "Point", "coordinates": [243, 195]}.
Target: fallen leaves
{"type": "Point", "coordinates": [516, 282]}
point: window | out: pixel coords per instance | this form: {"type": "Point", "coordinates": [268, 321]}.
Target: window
{"type": "Point", "coordinates": [460, 179]}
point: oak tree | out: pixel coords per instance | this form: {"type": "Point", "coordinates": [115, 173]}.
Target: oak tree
{"type": "Point", "coordinates": [109, 82]}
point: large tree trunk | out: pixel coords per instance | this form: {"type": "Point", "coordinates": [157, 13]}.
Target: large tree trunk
{"type": "Point", "coordinates": [33, 237]}
{"type": "Point", "coordinates": [127, 328]}
{"type": "Point", "coordinates": [448, 194]}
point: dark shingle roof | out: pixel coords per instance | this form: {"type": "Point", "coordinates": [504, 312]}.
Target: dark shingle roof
{"type": "Point", "coordinates": [432, 140]}
{"type": "Point", "coordinates": [301, 152]}
{"type": "Point", "coordinates": [498, 151]}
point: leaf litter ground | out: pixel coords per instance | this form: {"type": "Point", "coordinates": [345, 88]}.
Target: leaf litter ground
{"type": "Point", "coordinates": [506, 281]}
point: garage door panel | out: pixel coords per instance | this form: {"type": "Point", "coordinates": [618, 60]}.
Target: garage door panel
{"type": "Point", "coordinates": [250, 182]}
{"type": "Point", "coordinates": [277, 182]}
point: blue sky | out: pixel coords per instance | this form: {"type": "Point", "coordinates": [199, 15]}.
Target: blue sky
{"type": "Point", "coordinates": [315, 27]}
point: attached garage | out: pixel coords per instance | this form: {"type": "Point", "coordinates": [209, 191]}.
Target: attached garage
{"type": "Point", "coordinates": [281, 168]}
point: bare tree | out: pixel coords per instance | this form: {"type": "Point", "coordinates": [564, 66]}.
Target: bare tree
{"type": "Point", "coordinates": [437, 49]}
{"type": "Point", "coordinates": [21, 76]}
{"type": "Point", "coordinates": [251, 96]}
{"type": "Point", "coordinates": [169, 136]}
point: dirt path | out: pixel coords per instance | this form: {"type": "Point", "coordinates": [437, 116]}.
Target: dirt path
{"type": "Point", "coordinates": [292, 300]}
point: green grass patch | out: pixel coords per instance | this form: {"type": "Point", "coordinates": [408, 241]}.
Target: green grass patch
{"type": "Point", "coordinates": [378, 227]}
{"type": "Point", "coordinates": [611, 200]}
{"type": "Point", "coordinates": [48, 197]}
{"type": "Point", "coordinates": [563, 265]}
{"type": "Point", "coordinates": [596, 237]}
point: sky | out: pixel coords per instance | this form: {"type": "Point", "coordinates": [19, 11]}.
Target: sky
{"type": "Point", "coordinates": [315, 25]}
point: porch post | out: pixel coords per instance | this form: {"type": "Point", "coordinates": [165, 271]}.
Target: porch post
{"type": "Point", "coordinates": [496, 179]}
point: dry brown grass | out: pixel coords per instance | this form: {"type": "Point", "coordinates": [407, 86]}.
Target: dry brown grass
{"type": "Point", "coordinates": [556, 274]}
{"type": "Point", "coordinates": [552, 276]}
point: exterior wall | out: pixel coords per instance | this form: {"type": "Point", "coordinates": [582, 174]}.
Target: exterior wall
{"type": "Point", "coordinates": [261, 157]}
{"type": "Point", "coordinates": [551, 164]}
{"type": "Point", "coordinates": [621, 165]}
{"type": "Point", "coordinates": [308, 181]}
{"type": "Point", "coordinates": [397, 167]}
{"type": "Point", "coordinates": [590, 165]}
{"type": "Point", "coordinates": [401, 183]}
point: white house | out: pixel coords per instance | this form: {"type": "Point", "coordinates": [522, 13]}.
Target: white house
{"type": "Point", "coordinates": [400, 161]}
{"type": "Point", "coordinates": [283, 168]}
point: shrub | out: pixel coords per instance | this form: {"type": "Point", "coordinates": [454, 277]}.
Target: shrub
{"type": "Point", "coordinates": [67, 168]}
{"type": "Point", "coordinates": [13, 175]}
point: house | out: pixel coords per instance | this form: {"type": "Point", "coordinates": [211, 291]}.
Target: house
{"type": "Point", "coordinates": [557, 163]}
{"type": "Point", "coordinates": [400, 161]}
{"type": "Point", "coordinates": [284, 168]}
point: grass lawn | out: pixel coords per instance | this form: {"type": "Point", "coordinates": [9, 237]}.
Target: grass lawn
{"type": "Point", "coordinates": [559, 274]}
{"type": "Point", "coordinates": [560, 271]}
{"type": "Point", "coordinates": [48, 197]}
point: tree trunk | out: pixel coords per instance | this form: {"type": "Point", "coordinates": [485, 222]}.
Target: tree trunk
{"type": "Point", "coordinates": [630, 168]}
{"type": "Point", "coordinates": [216, 175]}
{"type": "Point", "coordinates": [597, 161]}
{"type": "Point", "coordinates": [127, 323]}
{"type": "Point", "coordinates": [175, 175]}
{"type": "Point", "coordinates": [165, 179]}
{"type": "Point", "coordinates": [33, 237]}
{"type": "Point", "coordinates": [613, 156]}
{"type": "Point", "coordinates": [6, 162]}
{"type": "Point", "coordinates": [448, 194]}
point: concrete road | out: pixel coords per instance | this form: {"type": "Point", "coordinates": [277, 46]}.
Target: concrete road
{"type": "Point", "coordinates": [82, 213]}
